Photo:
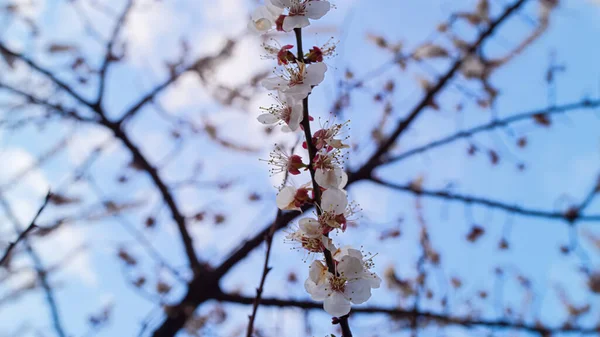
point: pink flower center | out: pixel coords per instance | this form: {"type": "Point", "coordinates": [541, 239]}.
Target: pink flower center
{"type": "Point", "coordinates": [298, 8]}
{"type": "Point", "coordinates": [301, 197]}
{"type": "Point", "coordinates": [323, 162]}
{"type": "Point", "coordinates": [286, 114]}
{"type": "Point", "coordinates": [337, 284]}
{"type": "Point", "coordinates": [295, 164]}
{"type": "Point", "coordinates": [313, 245]}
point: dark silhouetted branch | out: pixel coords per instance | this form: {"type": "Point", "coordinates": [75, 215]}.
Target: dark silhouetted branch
{"type": "Point", "coordinates": [423, 317]}
{"type": "Point", "coordinates": [49, 75]}
{"type": "Point", "coordinates": [198, 66]}
{"type": "Point", "coordinates": [166, 194]}
{"type": "Point", "coordinates": [583, 104]}
{"type": "Point", "coordinates": [24, 233]}
{"type": "Point", "coordinates": [266, 269]}
{"type": "Point", "coordinates": [441, 194]}
{"type": "Point", "coordinates": [110, 57]}
{"type": "Point", "coordinates": [43, 103]}
{"type": "Point", "coordinates": [41, 273]}
{"type": "Point", "coordinates": [376, 159]}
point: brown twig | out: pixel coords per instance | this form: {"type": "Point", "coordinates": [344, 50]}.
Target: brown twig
{"type": "Point", "coordinates": [109, 56]}
{"type": "Point", "coordinates": [376, 159]}
{"type": "Point", "coordinates": [398, 313]}
{"type": "Point", "coordinates": [584, 104]}
{"type": "Point", "coordinates": [41, 273]}
{"type": "Point", "coordinates": [266, 269]}
{"type": "Point", "coordinates": [24, 233]}
{"type": "Point", "coordinates": [312, 151]}
{"type": "Point", "coordinates": [441, 194]}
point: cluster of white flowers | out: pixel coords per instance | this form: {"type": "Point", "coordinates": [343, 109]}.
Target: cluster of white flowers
{"type": "Point", "coordinates": [343, 275]}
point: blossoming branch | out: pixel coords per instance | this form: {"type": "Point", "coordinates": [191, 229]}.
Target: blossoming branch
{"type": "Point", "coordinates": [339, 277]}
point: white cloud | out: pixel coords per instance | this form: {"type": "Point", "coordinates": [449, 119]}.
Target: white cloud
{"type": "Point", "coordinates": [85, 141]}
{"type": "Point", "coordinates": [186, 92]}
{"type": "Point", "coordinates": [34, 184]}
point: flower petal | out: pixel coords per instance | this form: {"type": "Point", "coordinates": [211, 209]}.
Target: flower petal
{"type": "Point", "coordinates": [310, 227]}
{"type": "Point", "coordinates": [285, 198]}
{"type": "Point", "coordinates": [343, 177]}
{"type": "Point", "coordinates": [317, 292]}
{"type": "Point", "coordinates": [334, 200]}
{"type": "Point", "coordinates": [296, 117]}
{"type": "Point", "coordinates": [316, 9]}
{"type": "Point", "coordinates": [298, 91]}
{"type": "Point", "coordinates": [358, 291]}
{"type": "Point", "coordinates": [315, 73]}
{"type": "Point", "coordinates": [326, 178]}
{"type": "Point", "coordinates": [296, 21]}
{"type": "Point", "coordinates": [351, 267]}
{"type": "Point", "coordinates": [317, 272]}
{"type": "Point", "coordinates": [273, 83]}
{"type": "Point", "coordinates": [374, 280]}
{"type": "Point", "coordinates": [267, 118]}
{"type": "Point", "coordinates": [281, 3]}
{"type": "Point", "coordinates": [336, 304]}
{"type": "Point", "coordinates": [276, 10]}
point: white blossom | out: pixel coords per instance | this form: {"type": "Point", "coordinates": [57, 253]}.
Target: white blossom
{"type": "Point", "coordinates": [297, 80]}
{"type": "Point", "coordinates": [331, 178]}
{"type": "Point", "coordinates": [281, 162]}
{"type": "Point", "coordinates": [299, 11]}
{"type": "Point", "coordinates": [335, 210]}
{"type": "Point", "coordinates": [310, 237]}
{"type": "Point", "coordinates": [328, 170]}
{"type": "Point", "coordinates": [286, 111]}
{"type": "Point", "coordinates": [264, 17]}
{"type": "Point", "coordinates": [290, 198]}
{"type": "Point", "coordinates": [326, 137]}
{"type": "Point", "coordinates": [351, 283]}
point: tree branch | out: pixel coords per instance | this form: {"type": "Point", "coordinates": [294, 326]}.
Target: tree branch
{"type": "Point", "coordinates": [169, 199]}
{"type": "Point", "coordinates": [110, 57]}
{"type": "Point", "coordinates": [24, 233]}
{"type": "Point", "coordinates": [312, 151]}
{"type": "Point", "coordinates": [41, 273]}
{"type": "Point", "coordinates": [198, 66]}
{"type": "Point", "coordinates": [375, 159]}
{"type": "Point", "coordinates": [583, 104]}
{"type": "Point", "coordinates": [442, 194]}
{"type": "Point", "coordinates": [37, 101]}
{"type": "Point", "coordinates": [47, 73]}
{"type": "Point", "coordinates": [266, 269]}
{"type": "Point", "coordinates": [425, 316]}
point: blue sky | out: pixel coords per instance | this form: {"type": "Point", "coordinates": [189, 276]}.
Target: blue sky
{"type": "Point", "coordinates": [562, 163]}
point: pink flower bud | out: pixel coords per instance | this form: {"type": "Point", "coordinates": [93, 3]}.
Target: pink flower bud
{"type": "Point", "coordinates": [295, 164]}
{"type": "Point", "coordinates": [285, 56]}
{"type": "Point", "coordinates": [279, 22]}
{"type": "Point", "coordinates": [315, 54]}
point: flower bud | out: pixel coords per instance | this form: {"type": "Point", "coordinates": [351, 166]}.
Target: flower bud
{"type": "Point", "coordinates": [315, 54]}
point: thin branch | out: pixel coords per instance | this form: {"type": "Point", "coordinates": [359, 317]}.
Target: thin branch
{"type": "Point", "coordinates": [37, 101]}
{"type": "Point", "coordinates": [583, 104]}
{"type": "Point", "coordinates": [24, 233]}
{"type": "Point", "coordinates": [442, 194]}
{"type": "Point", "coordinates": [168, 197]}
{"type": "Point", "coordinates": [375, 159]}
{"type": "Point", "coordinates": [409, 315]}
{"type": "Point", "coordinates": [247, 246]}
{"type": "Point", "coordinates": [266, 269]}
{"type": "Point", "coordinates": [312, 151]}
{"type": "Point", "coordinates": [13, 244]}
{"type": "Point", "coordinates": [592, 194]}
{"type": "Point", "coordinates": [47, 73]}
{"type": "Point", "coordinates": [42, 274]}
{"type": "Point", "coordinates": [199, 66]}
{"type": "Point", "coordinates": [110, 57]}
